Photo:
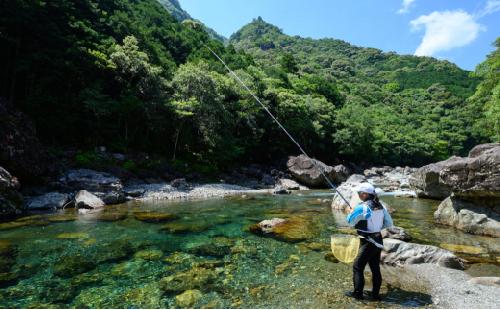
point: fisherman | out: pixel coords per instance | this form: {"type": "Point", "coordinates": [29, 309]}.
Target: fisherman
{"type": "Point", "coordinates": [369, 218]}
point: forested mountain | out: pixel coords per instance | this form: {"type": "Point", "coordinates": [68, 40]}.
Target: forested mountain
{"type": "Point", "coordinates": [394, 106]}
{"type": "Point", "coordinates": [126, 74]}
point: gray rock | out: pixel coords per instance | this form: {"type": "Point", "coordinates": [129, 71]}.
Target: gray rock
{"type": "Point", "coordinates": [477, 217]}
{"type": "Point", "coordinates": [389, 179]}
{"type": "Point", "coordinates": [398, 252]}
{"type": "Point", "coordinates": [290, 184]}
{"type": "Point", "coordinates": [11, 201]}
{"type": "Point", "coordinates": [86, 200]}
{"type": "Point", "coordinates": [449, 288]}
{"type": "Point", "coordinates": [395, 232]}
{"type": "Point", "coordinates": [347, 190]}
{"type": "Point", "coordinates": [278, 190]}
{"type": "Point", "coordinates": [481, 148]}
{"type": "Point", "coordinates": [309, 173]}
{"type": "Point", "coordinates": [107, 187]}
{"type": "Point", "coordinates": [52, 200]}
{"type": "Point", "coordinates": [476, 176]}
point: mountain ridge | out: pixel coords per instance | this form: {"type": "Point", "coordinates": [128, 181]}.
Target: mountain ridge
{"type": "Point", "coordinates": [176, 10]}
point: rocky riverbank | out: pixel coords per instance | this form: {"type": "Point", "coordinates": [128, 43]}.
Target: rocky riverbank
{"type": "Point", "coordinates": [470, 187]}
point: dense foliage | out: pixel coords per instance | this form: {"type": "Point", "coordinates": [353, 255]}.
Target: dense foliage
{"type": "Point", "coordinates": [128, 75]}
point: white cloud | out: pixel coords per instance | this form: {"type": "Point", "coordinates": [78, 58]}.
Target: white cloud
{"type": "Point", "coordinates": [405, 6]}
{"type": "Point", "coordinates": [491, 7]}
{"type": "Point", "coordinates": [445, 30]}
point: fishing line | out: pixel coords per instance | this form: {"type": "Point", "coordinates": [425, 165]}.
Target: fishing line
{"type": "Point", "coordinates": [279, 124]}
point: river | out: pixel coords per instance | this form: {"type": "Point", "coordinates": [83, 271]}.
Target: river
{"type": "Point", "coordinates": [122, 258]}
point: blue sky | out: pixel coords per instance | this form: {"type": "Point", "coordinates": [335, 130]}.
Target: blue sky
{"type": "Point", "coordinates": [461, 31]}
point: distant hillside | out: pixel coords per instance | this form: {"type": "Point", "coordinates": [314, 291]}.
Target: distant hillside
{"type": "Point", "coordinates": [174, 8]}
{"type": "Point", "coordinates": [350, 64]}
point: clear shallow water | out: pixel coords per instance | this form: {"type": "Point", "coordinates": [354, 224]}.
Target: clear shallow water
{"type": "Point", "coordinates": [114, 260]}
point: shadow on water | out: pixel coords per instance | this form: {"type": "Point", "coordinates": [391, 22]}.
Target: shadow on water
{"type": "Point", "coordinates": [143, 255]}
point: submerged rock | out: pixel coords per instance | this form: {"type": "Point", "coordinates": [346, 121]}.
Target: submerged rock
{"type": "Point", "coordinates": [186, 227]}
{"type": "Point", "coordinates": [398, 252]}
{"type": "Point", "coordinates": [151, 254]}
{"type": "Point", "coordinates": [155, 217]}
{"type": "Point", "coordinates": [62, 217]}
{"type": "Point", "coordinates": [188, 298]}
{"type": "Point", "coordinates": [196, 278]}
{"type": "Point", "coordinates": [218, 247]}
{"type": "Point", "coordinates": [71, 265]}
{"type": "Point", "coordinates": [309, 173]}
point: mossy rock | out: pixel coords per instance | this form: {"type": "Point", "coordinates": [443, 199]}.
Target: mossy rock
{"type": "Point", "coordinates": [331, 258]}
{"type": "Point", "coordinates": [73, 235]}
{"type": "Point", "coordinates": [71, 265]}
{"type": "Point", "coordinates": [188, 299]}
{"type": "Point", "coordinates": [217, 247]}
{"type": "Point", "coordinates": [145, 297]}
{"type": "Point", "coordinates": [195, 278]}
{"type": "Point", "coordinates": [151, 254]}
{"type": "Point", "coordinates": [460, 248]}
{"type": "Point", "coordinates": [57, 291]}
{"type": "Point", "coordinates": [186, 227]}
{"type": "Point", "coordinates": [317, 246]}
{"type": "Point", "coordinates": [155, 217]}
{"type": "Point", "coordinates": [63, 217]}
{"type": "Point", "coordinates": [98, 297]}
{"type": "Point", "coordinates": [12, 225]}
{"type": "Point", "coordinates": [111, 217]}
{"type": "Point", "coordinates": [293, 229]}
{"type": "Point", "coordinates": [114, 251]}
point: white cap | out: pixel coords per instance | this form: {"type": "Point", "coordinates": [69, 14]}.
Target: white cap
{"type": "Point", "coordinates": [365, 188]}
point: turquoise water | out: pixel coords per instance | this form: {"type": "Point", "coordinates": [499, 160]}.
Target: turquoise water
{"type": "Point", "coordinates": [116, 259]}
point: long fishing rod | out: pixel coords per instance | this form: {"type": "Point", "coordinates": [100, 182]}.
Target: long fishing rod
{"type": "Point", "coordinates": [279, 124]}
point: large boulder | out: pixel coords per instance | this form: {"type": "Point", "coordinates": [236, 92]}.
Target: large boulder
{"type": "Point", "coordinates": [398, 252]}
{"type": "Point", "coordinates": [308, 171]}
{"type": "Point", "coordinates": [103, 185]}
{"type": "Point", "coordinates": [426, 181]}
{"type": "Point", "coordinates": [11, 201]}
{"type": "Point", "coordinates": [475, 176]}
{"type": "Point", "coordinates": [347, 190]}
{"type": "Point", "coordinates": [86, 200]}
{"type": "Point", "coordinates": [478, 217]}
{"type": "Point", "coordinates": [472, 185]}
{"type": "Point", "coordinates": [48, 201]}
